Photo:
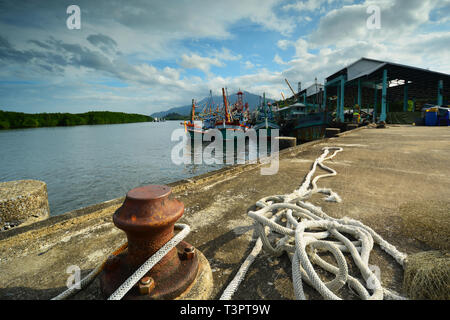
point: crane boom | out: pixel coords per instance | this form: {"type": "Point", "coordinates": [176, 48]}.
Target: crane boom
{"type": "Point", "coordinates": [295, 95]}
{"type": "Point", "coordinates": [284, 99]}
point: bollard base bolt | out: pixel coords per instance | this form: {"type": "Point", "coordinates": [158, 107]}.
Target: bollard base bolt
{"type": "Point", "coordinates": [146, 285]}
{"type": "Point", "coordinates": [188, 253]}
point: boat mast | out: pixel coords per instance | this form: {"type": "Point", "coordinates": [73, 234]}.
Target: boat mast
{"type": "Point", "coordinates": [193, 110]}
{"type": "Point", "coordinates": [225, 103]}
{"type": "Point", "coordinates": [211, 102]}
{"type": "Point", "coordinates": [264, 103]}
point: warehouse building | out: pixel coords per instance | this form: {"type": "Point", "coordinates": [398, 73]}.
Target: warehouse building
{"type": "Point", "coordinates": [384, 87]}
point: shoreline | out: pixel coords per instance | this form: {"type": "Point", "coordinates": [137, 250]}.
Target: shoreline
{"type": "Point", "coordinates": [78, 125]}
{"type": "Point", "coordinates": [20, 120]}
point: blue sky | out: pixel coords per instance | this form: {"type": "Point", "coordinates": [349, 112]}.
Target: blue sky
{"type": "Point", "coordinates": [148, 56]}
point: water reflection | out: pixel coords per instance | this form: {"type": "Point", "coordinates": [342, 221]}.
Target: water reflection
{"type": "Point", "coordinates": [228, 152]}
{"type": "Point", "coordinates": [85, 165]}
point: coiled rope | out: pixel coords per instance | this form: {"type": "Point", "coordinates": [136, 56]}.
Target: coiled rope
{"type": "Point", "coordinates": [302, 229]}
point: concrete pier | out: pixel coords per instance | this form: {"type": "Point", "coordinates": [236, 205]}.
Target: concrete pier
{"type": "Point", "coordinates": [382, 176]}
{"type": "Point", "coordinates": [22, 202]}
{"type": "Point", "coordinates": [352, 126]}
{"type": "Point", "coordinates": [286, 142]}
{"type": "Point", "coordinates": [332, 132]}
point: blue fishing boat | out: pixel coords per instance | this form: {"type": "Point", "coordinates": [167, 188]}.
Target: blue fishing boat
{"type": "Point", "coordinates": [265, 118]}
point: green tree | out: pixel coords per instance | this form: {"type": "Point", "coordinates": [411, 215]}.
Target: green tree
{"type": "Point", "coordinates": [30, 123]}
{"type": "Point", "coordinates": [4, 124]}
{"type": "Point", "coordinates": [10, 120]}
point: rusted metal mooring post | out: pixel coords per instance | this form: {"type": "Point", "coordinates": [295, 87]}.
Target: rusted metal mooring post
{"type": "Point", "coordinates": [148, 216]}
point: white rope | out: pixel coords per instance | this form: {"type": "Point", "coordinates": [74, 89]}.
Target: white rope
{"type": "Point", "coordinates": [307, 231]}
{"type": "Point", "coordinates": [234, 284]}
{"type": "Point", "coordinates": [146, 267]}
{"type": "Point", "coordinates": [83, 284]}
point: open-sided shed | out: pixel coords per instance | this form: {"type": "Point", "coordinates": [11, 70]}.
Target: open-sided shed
{"type": "Point", "coordinates": [368, 82]}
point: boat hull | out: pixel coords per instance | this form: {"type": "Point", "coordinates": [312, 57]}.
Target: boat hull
{"type": "Point", "coordinates": [268, 126]}
{"type": "Point", "coordinates": [307, 128]}
{"type": "Point", "coordinates": [228, 131]}
{"type": "Point", "coordinates": [232, 132]}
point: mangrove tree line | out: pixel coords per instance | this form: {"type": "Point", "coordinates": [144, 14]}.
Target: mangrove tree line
{"type": "Point", "coordinates": [13, 120]}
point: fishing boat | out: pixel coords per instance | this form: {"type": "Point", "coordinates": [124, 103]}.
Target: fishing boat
{"type": "Point", "coordinates": [306, 120]}
{"type": "Point", "coordinates": [232, 121]}
{"type": "Point", "coordinates": [203, 122]}
{"type": "Point", "coordinates": [235, 120]}
{"type": "Point", "coordinates": [264, 118]}
{"type": "Point", "coordinates": [298, 120]}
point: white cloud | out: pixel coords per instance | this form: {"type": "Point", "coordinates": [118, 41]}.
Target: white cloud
{"type": "Point", "coordinates": [195, 61]}
{"type": "Point", "coordinates": [277, 59]}
{"type": "Point", "coordinates": [348, 24]}
{"type": "Point", "coordinates": [342, 38]}
{"type": "Point", "coordinates": [308, 5]}
{"type": "Point", "coordinates": [338, 41]}
{"type": "Point", "coordinates": [217, 58]}
{"type": "Point", "coordinates": [226, 54]}
{"type": "Point", "coordinates": [248, 65]}
{"type": "Point", "coordinates": [284, 44]}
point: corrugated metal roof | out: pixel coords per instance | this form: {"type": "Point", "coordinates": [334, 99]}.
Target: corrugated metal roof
{"type": "Point", "coordinates": [359, 69]}
{"type": "Point", "coordinates": [298, 104]}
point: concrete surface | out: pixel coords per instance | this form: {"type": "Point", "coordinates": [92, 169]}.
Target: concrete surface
{"type": "Point", "coordinates": [379, 172]}
{"type": "Point", "coordinates": [22, 202]}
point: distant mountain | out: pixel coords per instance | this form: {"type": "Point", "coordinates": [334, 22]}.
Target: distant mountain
{"type": "Point", "coordinates": [252, 99]}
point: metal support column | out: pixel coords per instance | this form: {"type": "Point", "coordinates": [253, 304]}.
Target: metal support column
{"type": "Point", "coordinates": [405, 96]}
{"type": "Point", "coordinates": [383, 114]}
{"type": "Point", "coordinates": [375, 104]}
{"type": "Point", "coordinates": [342, 95]}
{"type": "Point", "coordinates": [440, 100]}
{"type": "Point", "coordinates": [338, 102]}
{"type": "Point", "coordinates": [359, 93]}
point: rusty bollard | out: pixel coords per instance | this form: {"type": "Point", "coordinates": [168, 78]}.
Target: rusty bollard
{"type": "Point", "coordinates": [148, 216]}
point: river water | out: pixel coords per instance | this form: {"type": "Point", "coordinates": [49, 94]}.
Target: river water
{"type": "Point", "coordinates": [85, 165]}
